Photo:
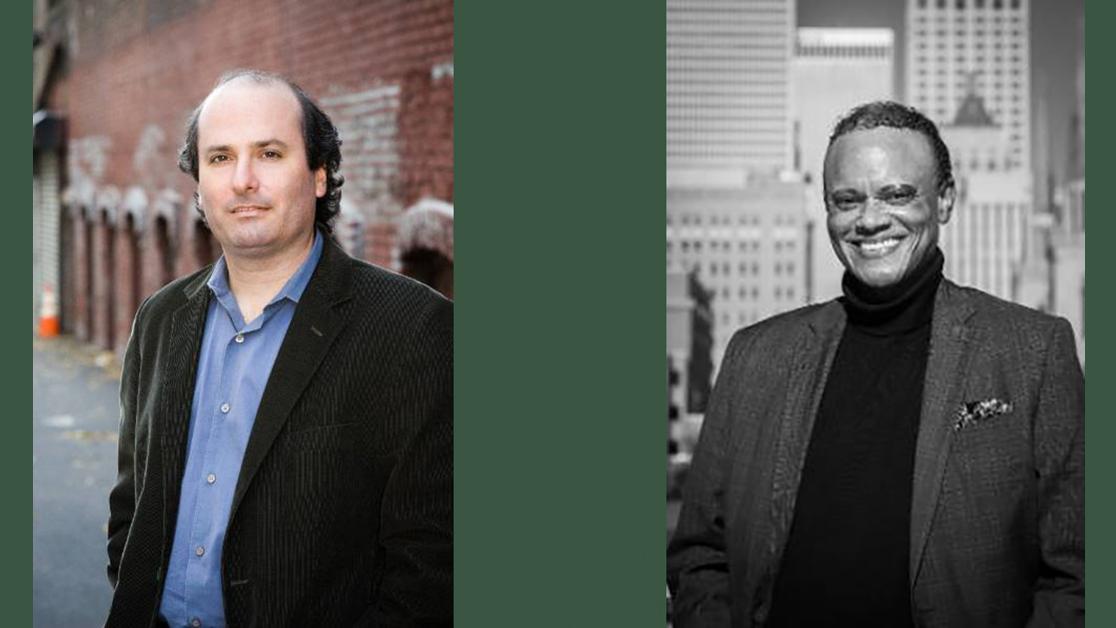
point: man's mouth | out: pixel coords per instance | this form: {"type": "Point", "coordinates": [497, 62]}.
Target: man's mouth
{"type": "Point", "coordinates": [877, 248]}
{"type": "Point", "coordinates": [248, 209]}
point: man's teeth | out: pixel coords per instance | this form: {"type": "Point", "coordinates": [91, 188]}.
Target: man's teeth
{"type": "Point", "coordinates": [878, 245]}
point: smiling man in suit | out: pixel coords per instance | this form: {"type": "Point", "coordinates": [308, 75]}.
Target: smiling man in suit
{"type": "Point", "coordinates": [911, 454]}
{"type": "Point", "coordinates": [285, 453]}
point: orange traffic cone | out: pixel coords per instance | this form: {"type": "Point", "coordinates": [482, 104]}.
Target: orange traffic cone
{"type": "Point", "coordinates": [48, 314]}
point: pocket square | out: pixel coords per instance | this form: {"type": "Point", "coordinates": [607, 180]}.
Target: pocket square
{"type": "Point", "coordinates": [976, 411]}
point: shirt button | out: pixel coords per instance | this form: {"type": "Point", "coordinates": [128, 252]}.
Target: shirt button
{"type": "Point", "coordinates": [195, 622]}
{"type": "Point", "coordinates": [199, 550]}
{"type": "Point", "coordinates": [211, 478]}
{"type": "Point", "coordinates": [225, 408]}
{"type": "Point", "coordinates": [239, 338]}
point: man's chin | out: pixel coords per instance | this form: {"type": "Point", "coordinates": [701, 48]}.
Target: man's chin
{"type": "Point", "coordinates": [879, 272]}
{"type": "Point", "coordinates": [878, 277]}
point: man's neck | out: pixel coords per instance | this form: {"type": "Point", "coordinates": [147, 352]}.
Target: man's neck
{"type": "Point", "coordinates": [254, 281]}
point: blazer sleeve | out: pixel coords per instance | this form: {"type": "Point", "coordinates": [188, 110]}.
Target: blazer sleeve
{"type": "Point", "coordinates": [1059, 442]}
{"type": "Point", "coordinates": [416, 530]}
{"type": "Point", "coordinates": [697, 559]}
{"type": "Point", "coordinates": [122, 502]}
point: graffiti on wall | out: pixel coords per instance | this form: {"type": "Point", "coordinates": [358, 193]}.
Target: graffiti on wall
{"type": "Point", "coordinates": [367, 124]}
{"type": "Point", "coordinates": [88, 157]}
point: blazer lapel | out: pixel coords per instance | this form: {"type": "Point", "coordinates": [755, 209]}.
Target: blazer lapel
{"type": "Point", "coordinates": [179, 366]}
{"type": "Point", "coordinates": [312, 331]}
{"type": "Point", "coordinates": [945, 372]}
{"type": "Point", "coordinates": [813, 357]}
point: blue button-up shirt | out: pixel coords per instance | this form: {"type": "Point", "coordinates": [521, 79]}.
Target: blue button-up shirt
{"type": "Point", "coordinates": [233, 368]}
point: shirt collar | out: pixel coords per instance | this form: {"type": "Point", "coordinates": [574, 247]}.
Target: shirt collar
{"type": "Point", "coordinates": [292, 290]}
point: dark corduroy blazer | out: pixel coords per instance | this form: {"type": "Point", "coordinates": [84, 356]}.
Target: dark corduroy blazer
{"type": "Point", "coordinates": [342, 514]}
{"type": "Point", "coordinates": [997, 513]}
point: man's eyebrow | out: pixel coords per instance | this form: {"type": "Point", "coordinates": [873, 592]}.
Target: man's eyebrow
{"type": "Point", "coordinates": [898, 188]}
{"type": "Point", "coordinates": [260, 144]}
{"type": "Point", "coordinates": [270, 142]}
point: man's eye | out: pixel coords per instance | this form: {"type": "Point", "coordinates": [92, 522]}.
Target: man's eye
{"type": "Point", "coordinates": [272, 154]}
{"type": "Point", "coordinates": [898, 198]}
{"type": "Point", "coordinates": [218, 158]}
{"type": "Point", "coordinates": [846, 202]}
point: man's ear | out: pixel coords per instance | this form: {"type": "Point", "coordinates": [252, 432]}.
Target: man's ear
{"type": "Point", "coordinates": [946, 197]}
{"type": "Point", "coordinates": [320, 182]}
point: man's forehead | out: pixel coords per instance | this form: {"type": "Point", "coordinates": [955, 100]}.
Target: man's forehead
{"type": "Point", "coordinates": [897, 150]}
{"type": "Point", "coordinates": [248, 100]}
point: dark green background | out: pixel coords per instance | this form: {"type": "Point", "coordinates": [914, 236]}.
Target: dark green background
{"type": "Point", "coordinates": [560, 163]}
{"type": "Point", "coordinates": [15, 342]}
{"type": "Point", "coordinates": [560, 429]}
{"type": "Point", "coordinates": [560, 317]}
{"type": "Point", "coordinates": [1100, 306]}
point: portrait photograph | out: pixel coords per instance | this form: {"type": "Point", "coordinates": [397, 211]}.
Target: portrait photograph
{"type": "Point", "coordinates": [875, 313]}
{"type": "Point", "coordinates": [243, 304]}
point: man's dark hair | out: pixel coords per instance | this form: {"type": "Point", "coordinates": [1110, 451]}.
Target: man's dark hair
{"type": "Point", "coordinates": [885, 113]}
{"type": "Point", "coordinates": [323, 146]}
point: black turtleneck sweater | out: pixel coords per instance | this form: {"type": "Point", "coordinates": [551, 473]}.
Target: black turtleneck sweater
{"type": "Point", "coordinates": [846, 559]}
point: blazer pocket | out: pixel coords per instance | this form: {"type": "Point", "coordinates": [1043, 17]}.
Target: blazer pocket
{"type": "Point", "coordinates": [993, 450]}
{"type": "Point", "coordinates": [977, 412]}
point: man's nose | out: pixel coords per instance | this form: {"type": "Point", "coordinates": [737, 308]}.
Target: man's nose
{"type": "Point", "coordinates": [873, 217]}
{"type": "Point", "coordinates": [244, 177]}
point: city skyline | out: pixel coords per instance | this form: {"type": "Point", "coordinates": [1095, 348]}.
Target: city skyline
{"type": "Point", "coordinates": [1053, 64]}
{"type": "Point", "coordinates": [969, 65]}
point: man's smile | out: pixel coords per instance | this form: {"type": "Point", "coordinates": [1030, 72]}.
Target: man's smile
{"type": "Point", "coordinates": [877, 248]}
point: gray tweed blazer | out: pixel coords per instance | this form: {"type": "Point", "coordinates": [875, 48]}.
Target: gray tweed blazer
{"type": "Point", "coordinates": [343, 511]}
{"type": "Point", "coordinates": [997, 512]}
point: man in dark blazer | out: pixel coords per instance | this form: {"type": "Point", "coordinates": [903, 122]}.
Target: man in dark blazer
{"type": "Point", "coordinates": [909, 455]}
{"type": "Point", "coordinates": [338, 507]}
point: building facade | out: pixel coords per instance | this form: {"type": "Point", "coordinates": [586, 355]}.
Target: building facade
{"type": "Point", "coordinates": [1067, 260]}
{"type": "Point", "coordinates": [833, 70]}
{"type": "Point", "coordinates": [123, 78]}
{"type": "Point", "coordinates": [746, 245]}
{"type": "Point", "coordinates": [986, 242]}
{"type": "Point", "coordinates": [728, 89]}
{"type": "Point", "coordinates": [951, 44]}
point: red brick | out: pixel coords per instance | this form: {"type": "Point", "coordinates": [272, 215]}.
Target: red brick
{"type": "Point", "coordinates": [129, 69]}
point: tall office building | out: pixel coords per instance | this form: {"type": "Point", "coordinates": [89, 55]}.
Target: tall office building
{"type": "Point", "coordinates": [951, 43]}
{"type": "Point", "coordinates": [985, 242]}
{"type": "Point", "coordinates": [746, 246]}
{"type": "Point", "coordinates": [833, 70]}
{"type": "Point", "coordinates": [968, 67]}
{"type": "Point", "coordinates": [728, 90]}
{"type": "Point", "coordinates": [1067, 240]}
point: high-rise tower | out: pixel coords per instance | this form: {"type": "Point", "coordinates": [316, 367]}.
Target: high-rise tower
{"type": "Point", "coordinates": [950, 42]}
{"type": "Point", "coordinates": [728, 90]}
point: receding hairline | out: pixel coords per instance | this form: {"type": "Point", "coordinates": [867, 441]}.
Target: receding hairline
{"type": "Point", "coordinates": [252, 80]}
{"type": "Point", "coordinates": [927, 141]}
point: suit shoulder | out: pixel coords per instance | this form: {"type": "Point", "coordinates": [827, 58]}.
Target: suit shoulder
{"type": "Point", "coordinates": [1013, 329]}
{"type": "Point", "coordinates": [416, 317]}
{"type": "Point", "coordinates": [782, 327]}
{"type": "Point", "coordinates": [375, 282]}
{"type": "Point", "coordinates": [391, 301]}
{"type": "Point", "coordinates": [995, 311]}
{"type": "Point", "coordinates": [170, 296]}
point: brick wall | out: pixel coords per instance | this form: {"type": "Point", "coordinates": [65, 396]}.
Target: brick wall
{"type": "Point", "coordinates": [134, 70]}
